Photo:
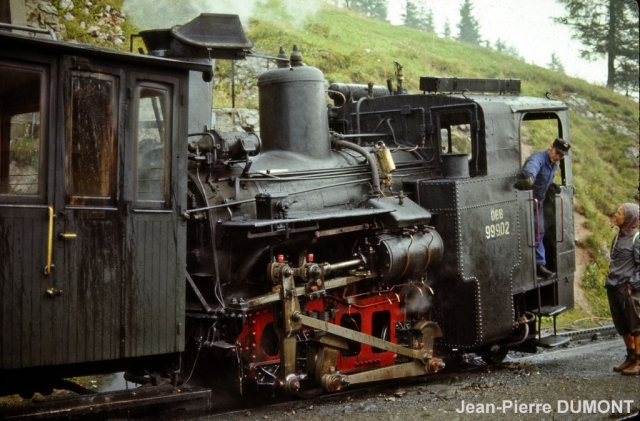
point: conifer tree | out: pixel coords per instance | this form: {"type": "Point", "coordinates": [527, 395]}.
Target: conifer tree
{"type": "Point", "coordinates": [447, 29]}
{"type": "Point", "coordinates": [411, 16]}
{"type": "Point", "coordinates": [426, 20]}
{"type": "Point", "coordinates": [468, 26]}
{"type": "Point", "coordinates": [555, 64]}
{"type": "Point", "coordinates": [375, 9]}
{"type": "Point", "coordinates": [607, 28]}
{"type": "Point", "coordinates": [417, 17]}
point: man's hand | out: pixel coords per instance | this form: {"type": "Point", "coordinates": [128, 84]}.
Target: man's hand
{"type": "Point", "coordinates": [524, 183]}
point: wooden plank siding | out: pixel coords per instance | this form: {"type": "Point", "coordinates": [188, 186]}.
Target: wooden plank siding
{"type": "Point", "coordinates": [93, 292]}
{"type": "Point", "coordinates": [156, 288]}
{"type": "Point", "coordinates": [25, 318]}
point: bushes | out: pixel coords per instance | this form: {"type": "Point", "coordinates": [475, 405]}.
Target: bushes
{"type": "Point", "coordinates": [593, 283]}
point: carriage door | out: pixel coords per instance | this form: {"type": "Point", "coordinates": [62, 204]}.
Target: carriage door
{"type": "Point", "coordinates": [89, 231]}
{"type": "Point", "coordinates": [26, 315]}
{"type": "Point", "coordinates": [155, 232]}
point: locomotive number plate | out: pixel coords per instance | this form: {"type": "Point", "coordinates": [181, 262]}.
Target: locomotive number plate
{"type": "Point", "coordinates": [498, 227]}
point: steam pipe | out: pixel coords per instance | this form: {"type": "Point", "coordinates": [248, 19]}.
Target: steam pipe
{"type": "Point", "coordinates": [358, 114]}
{"type": "Point", "coordinates": [524, 321]}
{"type": "Point", "coordinates": [343, 265]}
{"type": "Point", "coordinates": [336, 142]}
{"type": "Point", "coordinates": [524, 337]}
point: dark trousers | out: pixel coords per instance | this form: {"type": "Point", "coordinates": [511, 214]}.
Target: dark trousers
{"type": "Point", "coordinates": [625, 309]}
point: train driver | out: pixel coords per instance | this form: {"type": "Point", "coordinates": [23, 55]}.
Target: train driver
{"type": "Point", "coordinates": [537, 174]}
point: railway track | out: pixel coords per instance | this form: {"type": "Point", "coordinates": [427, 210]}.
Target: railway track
{"type": "Point", "coordinates": [590, 333]}
{"type": "Point", "coordinates": [472, 364]}
{"type": "Point", "coordinates": [193, 402]}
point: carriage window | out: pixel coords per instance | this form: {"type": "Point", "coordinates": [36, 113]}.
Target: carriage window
{"type": "Point", "coordinates": [92, 139]}
{"type": "Point", "coordinates": [21, 142]}
{"type": "Point", "coordinates": [153, 128]}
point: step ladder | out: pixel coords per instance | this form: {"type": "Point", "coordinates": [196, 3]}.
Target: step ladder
{"type": "Point", "coordinates": [554, 340]}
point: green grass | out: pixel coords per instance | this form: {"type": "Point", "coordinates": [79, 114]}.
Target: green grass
{"type": "Point", "coordinates": [24, 151]}
{"type": "Point", "coordinates": [575, 320]}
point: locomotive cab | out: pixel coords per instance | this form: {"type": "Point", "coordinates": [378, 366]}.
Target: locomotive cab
{"type": "Point", "coordinates": [474, 143]}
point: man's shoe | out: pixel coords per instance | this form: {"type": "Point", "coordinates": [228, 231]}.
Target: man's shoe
{"type": "Point", "coordinates": [633, 370]}
{"type": "Point", "coordinates": [543, 272]}
{"type": "Point", "coordinates": [626, 364]}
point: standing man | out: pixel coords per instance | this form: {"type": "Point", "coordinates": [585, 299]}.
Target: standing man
{"type": "Point", "coordinates": [623, 285]}
{"type": "Point", "coordinates": [537, 174]}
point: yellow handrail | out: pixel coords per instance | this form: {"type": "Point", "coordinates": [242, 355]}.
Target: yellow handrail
{"type": "Point", "coordinates": [47, 269]}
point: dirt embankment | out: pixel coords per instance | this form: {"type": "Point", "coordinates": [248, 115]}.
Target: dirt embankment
{"type": "Point", "coordinates": [583, 258]}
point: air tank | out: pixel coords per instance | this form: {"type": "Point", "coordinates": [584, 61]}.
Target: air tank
{"type": "Point", "coordinates": [293, 111]}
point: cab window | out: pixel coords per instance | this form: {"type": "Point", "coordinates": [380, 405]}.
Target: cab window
{"type": "Point", "coordinates": [455, 132]}
{"type": "Point", "coordinates": [537, 132]}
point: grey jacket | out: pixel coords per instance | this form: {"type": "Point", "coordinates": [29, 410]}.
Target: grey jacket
{"type": "Point", "coordinates": [625, 261]}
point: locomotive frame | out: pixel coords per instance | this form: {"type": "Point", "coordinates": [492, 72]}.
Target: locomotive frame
{"type": "Point", "coordinates": [374, 238]}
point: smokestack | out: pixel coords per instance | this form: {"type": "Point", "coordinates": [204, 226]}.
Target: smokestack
{"type": "Point", "coordinates": [202, 40]}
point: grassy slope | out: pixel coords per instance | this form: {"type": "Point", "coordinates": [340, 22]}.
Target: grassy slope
{"type": "Point", "coordinates": [347, 47]}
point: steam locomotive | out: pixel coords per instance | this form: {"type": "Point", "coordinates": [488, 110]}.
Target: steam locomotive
{"type": "Point", "coordinates": [377, 237]}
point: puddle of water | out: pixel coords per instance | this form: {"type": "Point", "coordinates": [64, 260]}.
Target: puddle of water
{"type": "Point", "coordinates": [113, 382]}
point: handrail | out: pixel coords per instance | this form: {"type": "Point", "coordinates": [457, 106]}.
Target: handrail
{"type": "Point", "coordinates": [561, 216]}
{"type": "Point", "coordinates": [47, 269]}
{"type": "Point", "coordinates": [537, 216]}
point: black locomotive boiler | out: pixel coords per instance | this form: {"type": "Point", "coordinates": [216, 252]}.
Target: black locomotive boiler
{"type": "Point", "coordinates": [374, 238]}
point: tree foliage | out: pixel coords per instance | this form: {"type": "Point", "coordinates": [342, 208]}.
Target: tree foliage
{"type": "Point", "coordinates": [427, 21]}
{"type": "Point", "coordinates": [555, 64]}
{"type": "Point", "coordinates": [375, 9]}
{"type": "Point", "coordinates": [607, 28]}
{"type": "Point", "coordinates": [468, 26]}
{"type": "Point", "coordinates": [447, 29]}
{"type": "Point", "coordinates": [417, 17]}
{"type": "Point", "coordinates": [410, 17]}
{"type": "Point", "coordinates": [502, 47]}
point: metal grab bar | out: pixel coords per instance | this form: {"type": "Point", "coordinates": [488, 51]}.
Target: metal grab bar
{"type": "Point", "coordinates": [537, 216]}
{"type": "Point", "coordinates": [561, 216]}
{"type": "Point", "coordinates": [47, 269]}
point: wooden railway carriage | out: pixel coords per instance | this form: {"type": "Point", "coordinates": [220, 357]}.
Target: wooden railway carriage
{"type": "Point", "coordinates": [92, 244]}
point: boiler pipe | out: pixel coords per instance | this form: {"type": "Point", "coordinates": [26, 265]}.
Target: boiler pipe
{"type": "Point", "coordinates": [362, 151]}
